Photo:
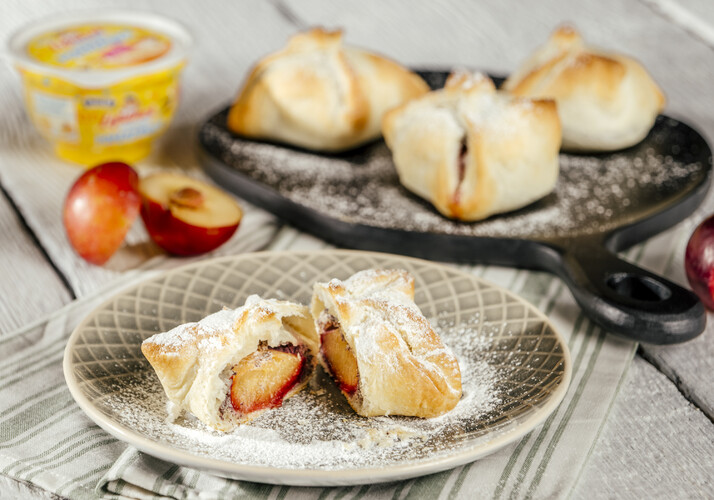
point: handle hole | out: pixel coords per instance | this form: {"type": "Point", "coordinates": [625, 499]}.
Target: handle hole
{"type": "Point", "coordinates": [639, 287]}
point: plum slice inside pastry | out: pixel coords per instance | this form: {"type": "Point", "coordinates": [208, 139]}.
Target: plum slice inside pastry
{"type": "Point", "coordinates": [473, 151]}
{"type": "Point", "coordinates": [380, 349]}
{"type": "Point", "coordinates": [320, 94]}
{"type": "Point", "coordinates": [606, 101]}
{"type": "Point", "coordinates": [236, 363]}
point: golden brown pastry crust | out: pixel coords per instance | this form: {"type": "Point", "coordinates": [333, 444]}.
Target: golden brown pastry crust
{"type": "Point", "coordinates": [321, 95]}
{"type": "Point", "coordinates": [472, 151]}
{"type": "Point", "coordinates": [606, 101]}
{"type": "Point", "coordinates": [193, 360]}
{"type": "Point", "coordinates": [404, 368]}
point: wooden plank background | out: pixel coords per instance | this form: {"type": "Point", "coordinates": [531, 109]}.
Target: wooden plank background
{"type": "Point", "coordinates": [658, 441]}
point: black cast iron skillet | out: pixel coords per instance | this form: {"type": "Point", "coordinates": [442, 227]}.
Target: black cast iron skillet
{"type": "Point", "coordinates": [602, 204]}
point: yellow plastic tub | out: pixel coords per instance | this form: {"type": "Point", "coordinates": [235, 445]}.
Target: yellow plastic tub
{"type": "Point", "coordinates": [101, 86]}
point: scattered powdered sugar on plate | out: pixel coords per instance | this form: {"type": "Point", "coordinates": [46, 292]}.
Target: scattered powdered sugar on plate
{"type": "Point", "coordinates": [514, 367]}
{"type": "Point", "coordinates": [317, 428]}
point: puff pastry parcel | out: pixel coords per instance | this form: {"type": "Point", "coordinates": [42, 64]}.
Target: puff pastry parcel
{"type": "Point", "coordinates": [236, 363]}
{"type": "Point", "coordinates": [380, 349]}
{"type": "Point", "coordinates": [318, 94]}
{"type": "Point", "coordinates": [606, 101]}
{"type": "Point", "coordinates": [473, 151]}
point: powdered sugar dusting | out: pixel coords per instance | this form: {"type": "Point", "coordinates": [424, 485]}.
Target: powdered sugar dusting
{"type": "Point", "coordinates": [208, 331]}
{"type": "Point", "coordinates": [205, 331]}
{"type": "Point", "coordinates": [375, 307]}
{"type": "Point", "coordinates": [594, 193]}
{"type": "Point", "coordinates": [514, 369]}
{"type": "Point", "coordinates": [316, 428]}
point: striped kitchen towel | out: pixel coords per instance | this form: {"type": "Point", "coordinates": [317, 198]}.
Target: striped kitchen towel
{"type": "Point", "coordinates": [543, 464]}
{"type": "Point", "coordinates": [45, 439]}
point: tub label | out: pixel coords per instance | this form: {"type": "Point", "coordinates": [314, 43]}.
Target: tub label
{"type": "Point", "coordinates": [98, 47]}
{"type": "Point", "coordinates": [55, 116]}
{"type": "Point", "coordinates": [129, 123]}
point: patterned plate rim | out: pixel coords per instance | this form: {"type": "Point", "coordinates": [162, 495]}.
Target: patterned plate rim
{"type": "Point", "coordinates": [314, 477]}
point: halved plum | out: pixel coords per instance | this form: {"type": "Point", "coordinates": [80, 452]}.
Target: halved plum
{"type": "Point", "coordinates": [262, 379]}
{"type": "Point", "coordinates": [341, 363]}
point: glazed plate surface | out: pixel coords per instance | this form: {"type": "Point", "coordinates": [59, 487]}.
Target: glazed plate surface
{"type": "Point", "coordinates": [515, 370]}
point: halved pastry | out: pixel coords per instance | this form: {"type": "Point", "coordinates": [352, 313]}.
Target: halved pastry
{"type": "Point", "coordinates": [379, 348]}
{"type": "Point", "coordinates": [606, 101]}
{"type": "Point", "coordinates": [473, 151]}
{"type": "Point", "coordinates": [236, 363]}
{"type": "Point", "coordinates": [318, 94]}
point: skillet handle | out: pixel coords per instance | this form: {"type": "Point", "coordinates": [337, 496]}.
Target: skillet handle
{"type": "Point", "coordinates": [628, 300]}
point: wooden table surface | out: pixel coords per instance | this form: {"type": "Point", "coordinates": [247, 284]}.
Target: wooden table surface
{"type": "Point", "coordinates": [659, 439]}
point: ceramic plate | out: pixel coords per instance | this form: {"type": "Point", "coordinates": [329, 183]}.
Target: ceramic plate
{"type": "Point", "coordinates": [515, 370]}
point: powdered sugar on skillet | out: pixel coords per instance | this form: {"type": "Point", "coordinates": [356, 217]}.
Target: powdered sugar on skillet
{"type": "Point", "coordinates": [317, 429]}
{"type": "Point", "coordinates": [594, 193]}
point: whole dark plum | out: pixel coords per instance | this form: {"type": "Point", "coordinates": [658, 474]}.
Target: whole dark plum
{"type": "Point", "coordinates": [699, 262]}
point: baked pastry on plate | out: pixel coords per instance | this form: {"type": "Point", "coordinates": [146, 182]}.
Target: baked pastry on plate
{"type": "Point", "coordinates": [473, 151]}
{"type": "Point", "coordinates": [606, 101]}
{"type": "Point", "coordinates": [236, 363]}
{"type": "Point", "coordinates": [380, 349]}
{"type": "Point", "coordinates": [318, 94]}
